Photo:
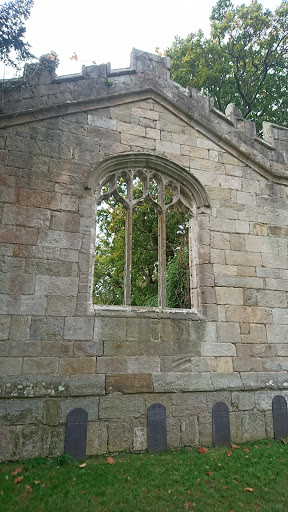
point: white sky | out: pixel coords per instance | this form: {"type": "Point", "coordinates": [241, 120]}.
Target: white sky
{"type": "Point", "coordinates": [106, 31]}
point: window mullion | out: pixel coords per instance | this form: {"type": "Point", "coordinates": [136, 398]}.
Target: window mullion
{"type": "Point", "coordinates": [162, 260]}
{"type": "Point", "coordinates": [128, 257]}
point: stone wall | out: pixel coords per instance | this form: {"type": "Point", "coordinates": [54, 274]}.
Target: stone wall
{"type": "Point", "coordinates": [58, 351]}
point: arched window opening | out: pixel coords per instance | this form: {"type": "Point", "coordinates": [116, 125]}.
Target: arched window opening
{"type": "Point", "coordinates": [145, 237]}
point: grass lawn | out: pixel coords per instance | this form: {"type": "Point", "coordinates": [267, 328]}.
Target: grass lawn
{"type": "Point", "coordinates": [250, 477]}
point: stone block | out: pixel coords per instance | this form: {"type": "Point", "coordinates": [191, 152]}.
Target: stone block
{"type": "Point", "coordinates": [21, 411]}
{"type": "Point", "coordinates": [50, 285]}
{"type": "Point", "coordinates": [26, 216]}
{"type": "Point", "coordinates": [97, 438]}
{"type": "Point", "coordinates": [10, 366]}
{"type": "Point", "coordinates": [224, 364]}
{"type": "Point", "coordinates": [78, 328]}
{"type": "Point", "coordinates": [112, 365]}
{"type": "Point", "coordinates": [174, 331]}
{"type": "Point", "coordinates": [88, 403]}
{"type": "Point", "coordinates": [189, 431]}
{"type": "Point", "coordinates": [48, 267]}
{"type": "Point", "coordinates": [249, 364]}
{"type": "Point", "coordinates": [205, 429]}
{"type": "Point", "coordinates": [77, 365]}
{"type": "Point", "coordinates": [253, 426]}
{"type": "Point", "coordinates": [50, 328]}
{"type": "Point", "coordinates": [116, 405]}
{"type": "Point", "coordinates": [231, 296]}
{"type": "Point", "coordinates": [143, 364]}
{"type": "Point", "coordinates": [280, 316]}
{"type": "Point", "coordinates": [277, 334]}
{"type": "Point", "coordinates": [120, 348]}
{"type": "Point", "coordinates": [172, 382]}
{"type": "Point", "coordinates": [226, 381]}
{"type": "Point", "coordinates": [218, 349]}
{"type": "Point", "coordinates": [19, 329]}
{"type": "Point", "coordinates": [139, 329]}
{"type": "Point", "coordinates": [243, 258]}
{"type": "Point", "coordinates": [228, 332]}
{"type": "Point", "coordinates": [9, 442]}
{"type": "Point", "coordinates": [81, 385]}
{"type": "Point", "coordinates": [110, 328]}
{"type": "Point", "coordinates": [243, 401]}
{"type": "Point", "coordinates": [176, 364]}
{"type": "Point", "coordinates": [40, 366]}
{"type": "Point", "coordinates": [60, 305]}
{"type": "Point", "coordinates": [133, 383]}
{"type": "Point", "coordinates": [38, 386]}
{"type": "Point", "coordinates": [50, 415]}
{"type": "Point", "coordinates": [248, 314]}
{"type": "Point", "coordinates": [272, 299]}
{"type": "Point", "coordinates": [236, 427]}
{"type": "Point", "coordinates": [120, 436]}
{"type": "Point", "coordinates": [140, 438]}
{"type": "Point", "coordinates": [61, 239]}
{"type": "Point", "coordinates": [173, 433]}
{"type": "Point", "coordinates": [88, 348]}
{"type": "Point", "coordinates": [5, 322]}
{"type": "Point", "coordinates": [17, 284]}
{"type": "Point", "coordinates": [62, 221]}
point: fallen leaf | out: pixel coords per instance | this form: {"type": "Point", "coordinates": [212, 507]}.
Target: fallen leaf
{"type": "Point", "coordinates": [229, 454]}
{"type": "Point", "coordinates": [28, 487]}
{"type": "Point", "coordinates": [74, 479]}
{"type": "Point", "coordinates": [283, 441]}
{"type": "Point", "coordinates": [16, 480]}
{"type": "Point", "coordinates": [17, 470]}
{"type": "Point", "coordinates": [169, 492]}
{"type": "Point", "coordinates": [110, 460]}
{"type": "Point", "coordinates": [1, 493]}
{"type": "Point", "coordinates": [83, 492]}
{"type": "Point", "coordinates": [225, 487]}
{"type": "Point", "coordinates": [199, 479]}
{"type": "Point", "coordinates": [36, 482]}
{"type": "Point", "coordinates": [202, 449]}
{"type": "Point", "coordinates": [235, 481]}
{"type": "Point", "coordinates": [246, 450]}
{"type": "Point", "coordinates": [209, 473]}
{"type": "Point", "coordinates": [250, 489]}
{"type": "Point", "coordinates": [82, 465]}
{"type": "Point", "coordinates": [234, 446]}
{"type": "Point", "coordinates": [257, 447]}
{"type": "Point", "coordinates": [188, 492]}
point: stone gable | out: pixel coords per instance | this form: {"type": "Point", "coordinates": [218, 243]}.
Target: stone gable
{"type": "Point", "coordinates": [58, 136]}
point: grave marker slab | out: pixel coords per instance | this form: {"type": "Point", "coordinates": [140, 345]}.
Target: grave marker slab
{"type": "Point", "coordinates": [157, 428]}
{"type": "Point", "coordinates": [220, 424]}
{"type": "Point", "coordinates": [76, 433]}
{"type": "Point", "coordinates": [280, 417]}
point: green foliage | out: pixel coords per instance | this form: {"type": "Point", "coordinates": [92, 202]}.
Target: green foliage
{"type": "Point", "coordinates": [110, 250]}
{"type": "Point", "coordinates": [245, 61]}
{"type": "Point", "coordinates": [12, 30]}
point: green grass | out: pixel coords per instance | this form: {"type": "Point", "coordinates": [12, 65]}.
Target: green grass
{"type": "Point", "coordinates": [171, 481]}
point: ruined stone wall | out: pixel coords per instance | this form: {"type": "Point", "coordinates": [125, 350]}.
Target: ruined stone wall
{"type": "Point", "coordinates": [57, 350]}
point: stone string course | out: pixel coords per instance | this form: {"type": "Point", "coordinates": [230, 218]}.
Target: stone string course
{"type": "Point", "coordinates": [56, 351]}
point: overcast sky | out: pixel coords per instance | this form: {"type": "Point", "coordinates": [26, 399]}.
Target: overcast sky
{"type": "Point", "coordinates": [106, 31]}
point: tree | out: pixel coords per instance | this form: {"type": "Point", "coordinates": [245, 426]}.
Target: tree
{"type": "Point", "coordinates": [245, 61]}
{"type": "Point", "coordinates": [12, 30]}
{"type": "Point", "coordinates": [109, 256]}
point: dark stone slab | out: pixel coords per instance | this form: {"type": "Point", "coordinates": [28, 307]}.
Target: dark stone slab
{"type": "Point", "coordinates": [280, 417]}
{"type": "Point", "coordinates": [220, 424]}
{"type": "Point", "coordinates": [76, 433]}
{"type": "Point", "coordinates": [157, 428]}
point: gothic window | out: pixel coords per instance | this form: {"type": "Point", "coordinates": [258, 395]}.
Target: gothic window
{"type": "Point", "coordinates": [146, 251]}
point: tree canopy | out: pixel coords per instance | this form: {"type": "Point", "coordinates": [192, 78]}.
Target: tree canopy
{"type": "Point", "coordinates": [244, 61]}
{"type": "Point", "coordinates": [12, 31]}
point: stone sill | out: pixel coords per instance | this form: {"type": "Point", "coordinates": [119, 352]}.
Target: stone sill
{"type": "Point", "coordinates": [147, 312]}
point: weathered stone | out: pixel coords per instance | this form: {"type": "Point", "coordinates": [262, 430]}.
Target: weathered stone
{"type": "Point", "coordinates": [78, 328]}
{"type": "Point", "coordinates": [77, 365]}
{"type": "Point", "coordinates": [173, 382]}
{"type": "Point", "coordinates": [97, 438]}
{"type": "Point", "coordinates": [89, 403]}
{"type": "Point", "coordinates": [133, 383]}
{"type": "Point", "coordinates": [121, 406]}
